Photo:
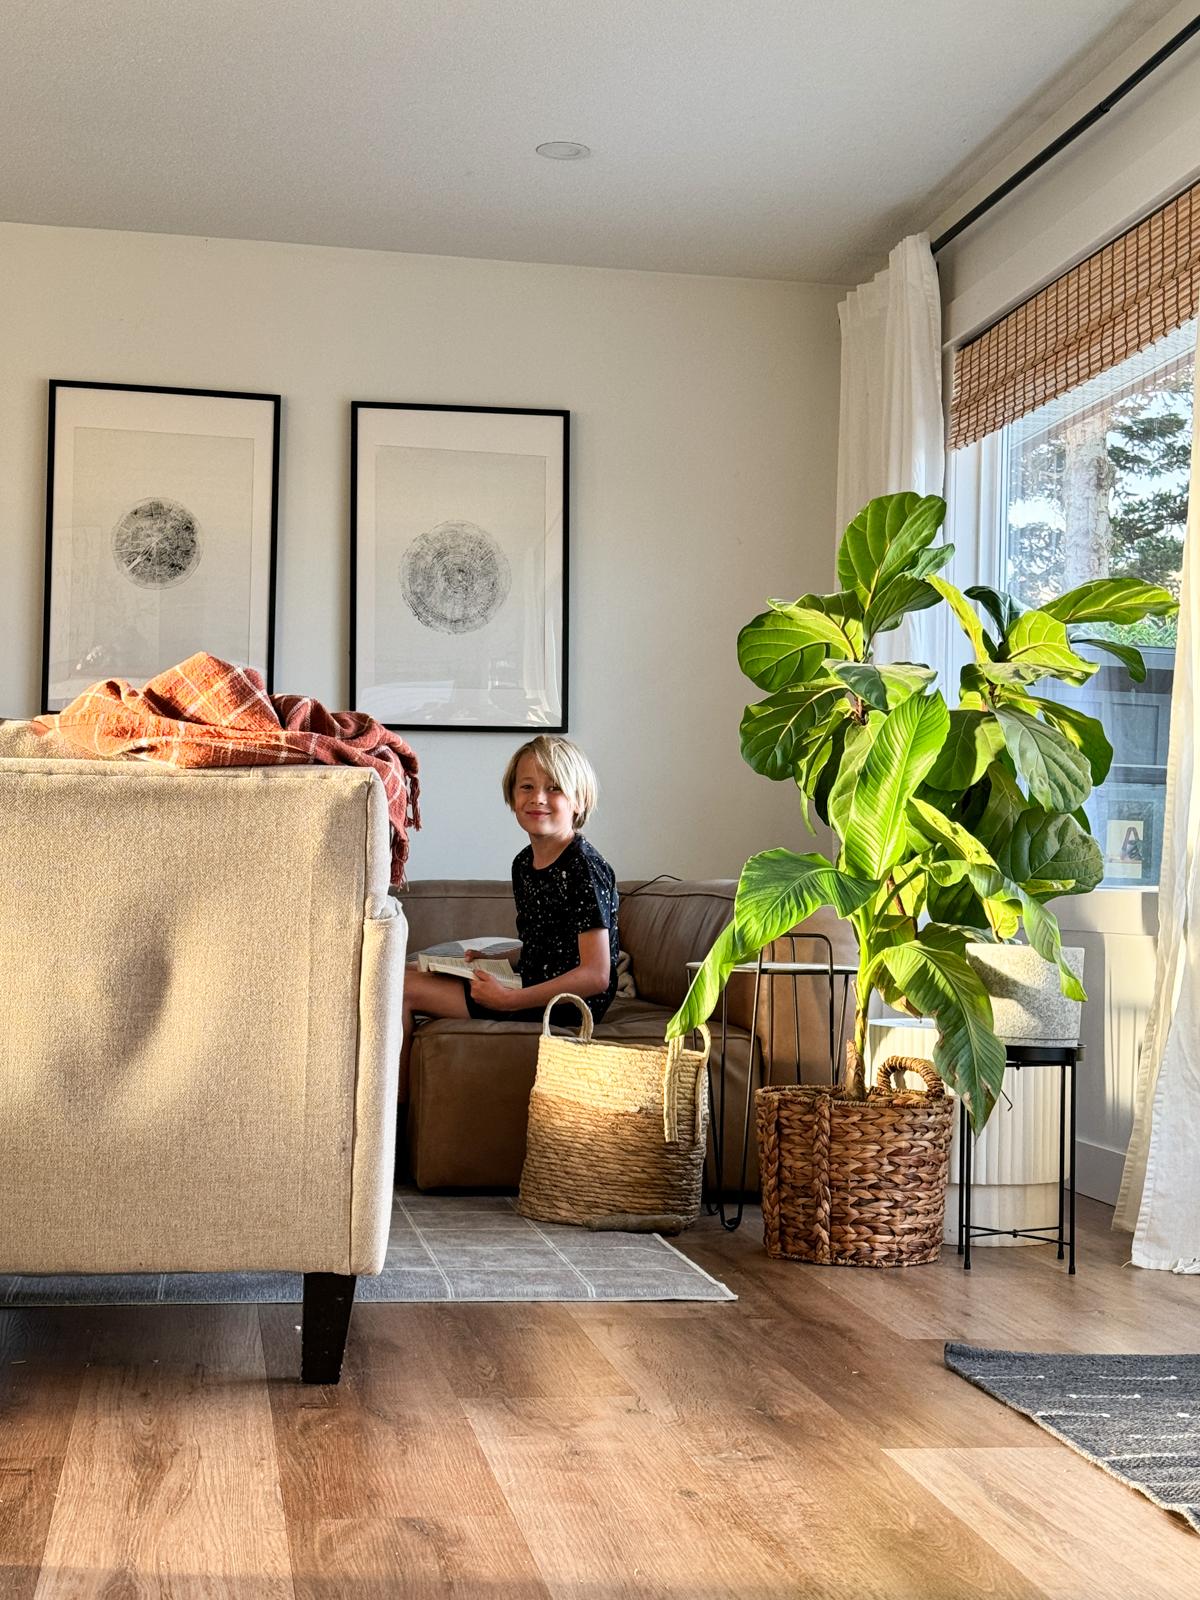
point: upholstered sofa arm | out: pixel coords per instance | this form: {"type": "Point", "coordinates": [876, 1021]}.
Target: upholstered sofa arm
{"type": "Point", "coordinates": [202, 978]}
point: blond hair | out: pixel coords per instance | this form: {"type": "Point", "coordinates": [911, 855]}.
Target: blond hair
{"type": "Point", "coordinates": [565, 763]}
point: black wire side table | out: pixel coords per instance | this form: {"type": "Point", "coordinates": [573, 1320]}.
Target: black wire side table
{"type": "Point", "coordinates": [831, 971]}
{"type": "Point", "coordinates": [1017, 1056]}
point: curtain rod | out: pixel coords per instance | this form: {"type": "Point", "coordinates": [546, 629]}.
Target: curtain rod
{"type": "Point", "coordinates": [1070, 135]}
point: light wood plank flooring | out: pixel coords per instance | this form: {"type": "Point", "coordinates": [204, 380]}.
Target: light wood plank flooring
{"type": "Point", "coordinates": [806, 1441]}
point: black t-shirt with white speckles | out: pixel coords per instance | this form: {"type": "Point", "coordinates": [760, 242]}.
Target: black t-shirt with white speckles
{"type": "Point", "coordinates": [576, 893]}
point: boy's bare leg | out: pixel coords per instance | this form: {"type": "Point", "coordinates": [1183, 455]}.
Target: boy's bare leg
{"type": "Point", "coordinates": [429, 995]}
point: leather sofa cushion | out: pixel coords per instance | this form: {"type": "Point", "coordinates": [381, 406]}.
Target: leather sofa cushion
{"type": "Point", "coordinates": [470, 1087]}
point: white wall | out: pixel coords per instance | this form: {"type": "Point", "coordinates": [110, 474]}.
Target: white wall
{"type": "Point", "coordinates": [1136, 157]}
{"type": "Point", "coordinates": [704, 419]}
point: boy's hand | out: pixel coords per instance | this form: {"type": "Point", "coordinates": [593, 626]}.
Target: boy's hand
{"type": "Point", "coordinates": [505, 953]}
{"type": "Point", "coordinates": [489, 991]}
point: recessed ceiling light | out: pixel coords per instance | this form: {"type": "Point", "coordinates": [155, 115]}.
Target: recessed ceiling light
{"type": "Point", "coordinates": [563, 150]}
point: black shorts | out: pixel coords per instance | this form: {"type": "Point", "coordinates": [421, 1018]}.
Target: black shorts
{"type": "Point", "coordinates": [563, 1016]}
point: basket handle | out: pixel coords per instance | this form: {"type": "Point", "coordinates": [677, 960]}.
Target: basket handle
{"type": "Point", "coordinates": [671, 1079]}
{"type": "Point", "coordinates": [896, 1066]}
{"type": "Point", "coordinates": [585, 1027]}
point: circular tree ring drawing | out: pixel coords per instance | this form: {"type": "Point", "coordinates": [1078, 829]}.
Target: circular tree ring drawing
{"type": "Point", "coordinates": [455, 577]}
{"type": "Point", "coordinates": [156, 543]}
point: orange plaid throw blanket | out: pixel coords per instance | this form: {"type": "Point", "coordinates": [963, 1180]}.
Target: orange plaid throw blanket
{"type": "Point", "coordinates": [209, 713]}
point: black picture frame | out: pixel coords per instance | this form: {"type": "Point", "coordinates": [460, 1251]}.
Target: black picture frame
{"type": "Point", "coordinates": [107, 443]}
{"type": "Point", "coordinates": [445, 502]}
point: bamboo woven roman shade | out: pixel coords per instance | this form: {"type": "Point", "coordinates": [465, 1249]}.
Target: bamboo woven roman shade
{"type": "Point", "coordinates": [1137, 289]}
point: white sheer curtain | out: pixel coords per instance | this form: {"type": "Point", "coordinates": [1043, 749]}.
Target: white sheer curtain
{"type": "Point", "coordinates": [892, 433]}
{"type": "Point", "coordinates": [1160, 1189]}
{"type": "Point", "coordinates": [974, 526]}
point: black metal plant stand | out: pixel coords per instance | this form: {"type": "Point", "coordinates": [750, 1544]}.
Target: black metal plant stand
{"type": "Point", "coordinates": [831, 971]}
{"type": "Point", "coordinates": [1066, 1058]}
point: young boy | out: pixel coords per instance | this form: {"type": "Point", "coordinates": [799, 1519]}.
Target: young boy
{"type": "Point", "coordinates": [566, 897]}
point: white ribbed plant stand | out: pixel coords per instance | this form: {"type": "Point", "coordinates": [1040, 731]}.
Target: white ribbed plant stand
{"type": "Point", "coordinates": [1015, 1163]}
{"type": "Point", "coordinates": [1014, 1166]}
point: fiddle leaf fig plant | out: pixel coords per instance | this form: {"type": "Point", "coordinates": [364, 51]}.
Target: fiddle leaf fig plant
{"type": "Point", "coordinates": [953, 824]}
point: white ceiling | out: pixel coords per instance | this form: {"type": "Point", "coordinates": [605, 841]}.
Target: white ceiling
{"type": "Point", "coordinates": [762, 138]}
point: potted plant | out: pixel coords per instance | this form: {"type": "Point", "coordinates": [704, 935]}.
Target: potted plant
{"type": "Point", "coordinates": [953, 827]}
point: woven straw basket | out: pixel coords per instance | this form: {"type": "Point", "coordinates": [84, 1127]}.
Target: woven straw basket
{"type": "Point", "coordinates": [617, 1132]}
{"type": "Point", "coordinates": [859, 1183]}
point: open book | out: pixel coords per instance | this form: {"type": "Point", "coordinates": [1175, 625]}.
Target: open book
{"type": "Point", "coordinates": [457, 967]}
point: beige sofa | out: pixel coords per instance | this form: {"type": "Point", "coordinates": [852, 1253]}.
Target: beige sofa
{"type": "Point", "coordinates": [202, 975]}
{"type": "Point", "coordinates": [467, 1097]}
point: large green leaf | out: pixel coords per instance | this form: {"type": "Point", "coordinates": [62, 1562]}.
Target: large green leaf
{"type": "Point", "coordinates": [824, 768]}
{"type": "Point", "coordinates": [1057, 773]}
{"type": "Point", "coordinates": [1005, 803]}
{"type": "Point", "coordinates": [892, 600]}
{"type": "Point", "coordinates": [884, 688]}
{"type": "Point", "coordinates": [1040, 847]}
{"type": "Point", "coordinates": [1084, 732]}
{"type": "Point", "coordinates": [1113, 600]}
{"type": "Point", "coordinates": [982, 678]}
{"type": "Point", "coordinates": [1000, 899]}
{"type": "Point", "coordinates": [968, 1056]}
{"type": "Point", "coordinates": [1041, 927]}
{"type": "Point", "coordinates": [957, 903]}
{"type": "Point", "coordinates": [963, 857]}
{"type": "Point", "coordinates": [932, 827]}
{"type": "Point", "coordinates": [779, 648]}
{"type": "Point", "coordinates": [772, 729]}
{"type": "Point", "coordinates": [821, 744]}
{"type": "Point", "coordinates": [968, 619]}
{"type": "Point", "coordinates": [871, 818]}
{"type": "Point", "coordinates": [779, 888]}
{"type": "Point", "coordinates": [973, 740]}
{"type": "Point", "coordinates": [910, 545]}
{"type": "Point", "coordinates": [1037, 639]}
{"type": "Point", "coordinates": [901, 596]}
{"type": "Point", "coordinates": [858, 741]}
{"type": "Point", "coordinates": [843, 608]}
{"type": "Point", "coordinates": [705, 990]}
{"type": "Point", "coordinates": [1128, 655]}
{"type": "Point", "coordinates": [931, 561]}
{"type": "Point", "coordinates": [905, 519]}
{"type": "Point", "coordinates": [1001, 607]}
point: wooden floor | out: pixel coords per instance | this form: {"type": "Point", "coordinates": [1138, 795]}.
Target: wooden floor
{"type": "Point", "coordinates": [806, 1441]}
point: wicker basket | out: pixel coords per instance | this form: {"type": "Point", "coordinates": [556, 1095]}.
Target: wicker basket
{"type": "Point", "coordinates": [850, 1182]}
{"type": "Point", "coordinates": [617, 1132]}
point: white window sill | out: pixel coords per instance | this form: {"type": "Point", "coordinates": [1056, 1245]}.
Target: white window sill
{"type": "Point", "coordinates": [1129, 911]}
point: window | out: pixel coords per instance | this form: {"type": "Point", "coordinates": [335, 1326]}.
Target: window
{"type": "Point", "coordinates": [1095, 484]}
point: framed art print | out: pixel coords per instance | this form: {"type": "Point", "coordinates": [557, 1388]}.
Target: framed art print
{"type": "Point", "coordinates": [161, 509]}
{"type": "Point", "coordinates": [1129, 831]}
{"type": "Point", "coordinates": [458, 566]}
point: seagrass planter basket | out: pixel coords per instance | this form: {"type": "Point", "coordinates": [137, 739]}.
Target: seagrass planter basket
{"type": "Point", "coordinates": [855, 1182]}
{"type": "Point", "coordinates": [617, 1132]}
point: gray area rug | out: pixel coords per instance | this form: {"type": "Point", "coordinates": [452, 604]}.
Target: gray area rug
{"type": "Point", "coordinates": [1138, 1417]}
{"type": "Point", "coordinates": [441, 1248]}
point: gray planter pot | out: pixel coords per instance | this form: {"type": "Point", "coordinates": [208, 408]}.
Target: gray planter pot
{"type": "Point", "coordinates": [1028, 1007]}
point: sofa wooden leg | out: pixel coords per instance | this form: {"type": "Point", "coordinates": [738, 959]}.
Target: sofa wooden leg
{"type": "Point", "coordinates": [328, 1297]}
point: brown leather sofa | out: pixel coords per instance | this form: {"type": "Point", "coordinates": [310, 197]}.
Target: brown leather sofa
{"type": "Point", "coordinates": [469, 1081]}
